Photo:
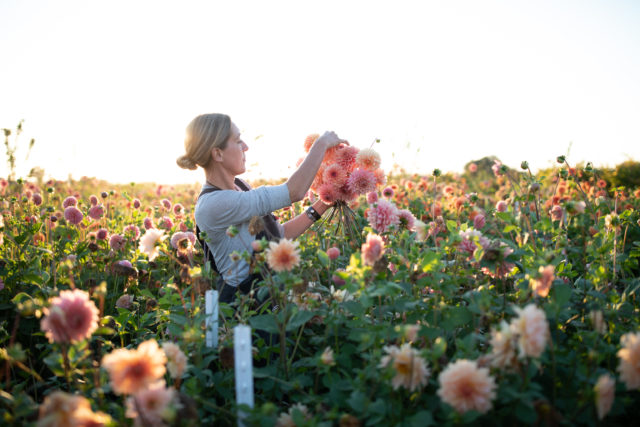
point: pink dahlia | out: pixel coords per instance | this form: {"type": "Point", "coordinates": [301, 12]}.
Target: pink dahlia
{"type": "Point", "coordinates": [69, 201]}
{"type": "Point", "coordinates": [96, 212]}
{"type": "Point", "coordinates": [532, 331]}
{"type": "Point", "coordinates": [346, 156]}
{"type": "Point", "coordinates": [283, 255]}
{"type": "Point", "coordinates": [70, 317]}
{"type": "Point", "coordinates": [411, 370]}
{"type": "Point", "coordinates": [309, 140]}
{"type": "Point", "coordinates": [152, 406]}
{"type": "Point", "coordinates": [382, 215]}
{"type": "Point", "coordinates": [372, 197]}
{"type": "Point", "coordinates": [148, 223]}
{"type": "Point", "coordinates": [166, 204]}
{"type": "Point", "coordinates": [361, 181]}
{"type": "Point", "coordinates": [381, 179]}
{"type": "Point", "coordinates": [501, 206]}
{"type": "Point", "coordinates": [407, 220]}
{"type": "Point", "coordinates": [335, 175]}
{"type": "Point", "coordinates": [368, 159]}
{"type": "Point", "coordinates": [178, 209]}
{"type": "Point", "coordinates": [479, 222]}
{"type": "Point", "coordinates": [116, 242]}
{"type": "Point", "coordinates": [102, 234]}
{"type": "Point", "coordinates": [387, 192]}
{"type": "Point", "coordinates": [605, 392]}
{"type": "Point", "coordinates": [132, 231]}
{"type": "Point", "coordinates": [73, 215]}
{"type": "Point", "coordinates": [466, 387]}
{"type": "Point", "coordinates": [333, 253]}
{"type": "Point", "coordinates": [165, 222]}
{"type": "Point", "coordinates": [328, 194]}
{"type": "Point", "coordinates": [556, 213]}
{"type": "Point", "coordinates": [188, 238]}
{"type": "Point", "coordinates": [93, 199]}
{"type": "Point", "coordinates": [37, 199]}
{"type": "Point", "coordinates": [136, 203]}
{"type": "Point", "coordinates": [373, 249]}
{"type": "Point", "coordinates": [629, 356]}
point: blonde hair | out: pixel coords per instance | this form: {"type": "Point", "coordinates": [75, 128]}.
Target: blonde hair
{"type": "Point", "coordinates": [204, 133]}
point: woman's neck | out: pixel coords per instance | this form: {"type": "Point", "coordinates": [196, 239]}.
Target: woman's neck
{"type": "Point", "coordinates": [220, 179]}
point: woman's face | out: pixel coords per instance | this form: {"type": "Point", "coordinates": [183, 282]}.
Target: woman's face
{"type": "Point", "coordinates": [233, 158]}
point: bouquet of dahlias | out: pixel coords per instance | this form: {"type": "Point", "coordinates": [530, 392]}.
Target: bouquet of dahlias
{"type": "Point", "coordinates": [346, 172]}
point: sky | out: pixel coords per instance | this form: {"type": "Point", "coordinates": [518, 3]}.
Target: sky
{"type": "Point", "coordinates": [107, 88]}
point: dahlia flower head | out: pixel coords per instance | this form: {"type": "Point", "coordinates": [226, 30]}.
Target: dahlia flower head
{"type": "Point", "coordinates": [64, 409]}
{"type": "Point", "coordinates": [131, 371]}
{"type": "Point", "coordinates": [465, 387]}
{"type": "Point", "coordinates": [283, 255]}
{"type": "Point", "coordinates": [70, 317]}
{"type": "Point", "coordinates": [383, 215]}
{"type": "Point", "coordinates": [410, 369]}
{"type": "Point", "coordinates": [629, 355]}
{"type": "Point", "coordinates": [346, 172]}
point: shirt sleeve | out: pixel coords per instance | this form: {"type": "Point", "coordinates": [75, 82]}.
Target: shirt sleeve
{"type": "Point", "coordinates": [226, 207]}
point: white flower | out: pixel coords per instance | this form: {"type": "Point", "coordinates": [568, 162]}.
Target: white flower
{"type": "Point", "coordinates": [149, 241]}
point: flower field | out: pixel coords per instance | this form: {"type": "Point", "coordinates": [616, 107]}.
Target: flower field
{"type": "Point", "coordinates": [492, 297]}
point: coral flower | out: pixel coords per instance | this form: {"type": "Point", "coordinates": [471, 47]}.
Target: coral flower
{"type": "Point", "coordinates": [283, 255]}
{"type": "Point", "coordinates": [70, 317]}
{"type": "Point", "coordinates": [383, 215]}
{"type": "Point", "coordinates": [116, 242]}
{"type": "Point", "coordinates": [466, 387]}
{"type": "Point", "coordinates": [149, 242]}
{"type": "Point", "coordinates": [473, 167]}
{"type": "Point", "coordinates": [335, 175]}
{"type": "Point", "coordinates": [131, 371]}
{"type": "Point", "coordinates": [60, 409]}
{"type": "Point", "coordinates": [542, 285]}
{"type": "Point", "coordinates": [151, 406]}
{"type": "Point", "coordinates": [368, 159]}
{"type": "Point", "coordinates": [372, 197]}
{"type": "Point", "coordinates": [328, 194]}
{"type": "Point", "coordinates": [410, 368]}
{"type": "Point", "coordinates": [69, 201]}
{"type": "Point", "coordinates": [532, 331]}
{"type": "Point", "coordinates": [373, 249]}
{"type": "Point", "coordinates": [73, 215]}
{"type": "Point", "coordinates": [381, 179]}
{"type": "Point", "coordinates": [333, 253]}
{"type": "Point", "coordinates": [176, 359]}
{"type": "Point", "coordinates": [309, 140]}
{"type": "Point", "coordinates": [605, 391]}
{"type": "Point", "coordinates": [629, 355]}
{"type": "Point", "coordinates": [96, 212]}
{"type": "Point", "coordinates": [361, 181]}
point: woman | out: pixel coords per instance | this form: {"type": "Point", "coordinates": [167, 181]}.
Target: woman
{"type": "Point", "coordinates": [213, 142]}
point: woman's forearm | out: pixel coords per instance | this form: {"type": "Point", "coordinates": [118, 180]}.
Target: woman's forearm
{"type": "Point", "coordinates": [298, 225]}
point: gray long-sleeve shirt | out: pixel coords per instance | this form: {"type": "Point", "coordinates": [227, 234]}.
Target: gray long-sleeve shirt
{"type": "Point", "coordinates": [218, 210]}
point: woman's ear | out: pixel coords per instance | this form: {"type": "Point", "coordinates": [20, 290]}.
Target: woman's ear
{"type": "Point", "coordinates": [216, 154]}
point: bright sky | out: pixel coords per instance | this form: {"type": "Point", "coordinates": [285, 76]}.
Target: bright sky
{"type": "Point", "coordinates": [107, 87]}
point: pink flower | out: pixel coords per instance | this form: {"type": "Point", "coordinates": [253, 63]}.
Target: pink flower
{"type": "Point", "coordinates": [167, 204]}
{"type": "Point", "coordinates": [466, 387]}
{"type": "Point", "coordinates": [148, 223]}
{"type": "Point", "coordinates": [542, 285]}
{"type": "Point", "coordinates": [368, 159]}
{"type": "Point", "coordinates": [283, 255]}
{"type": "Point", "coordinates": [382, 215]}
{"type": "Point", "coordinates": [136, 203]}
{"type": "Point", "coordinates": [346, 156]}
{"type": "Point", "coordinates": [387, 192]}
{"type": "Point", "coordinates": [37, 199]}
{"type": "Point", "coordinates": [479, 222]}
{"type": "Point", "coordinates": [178, 209]}
{"type": "Point", "coordinates": [496, 168]}
{"type": "Point", "coordinates": [345, 193]}
{"type": "Point", "coordinates": [532, 331]}
{"type": "Point", "coordinates": [361, 181]}
{"type": "Point", "coordinates": [102, 234]}
{"type": "Point", "coordinates": [69, 201]}
{"type": "Point", "coordinates": [328, 194]}
{"type": "Point", "coordinates": [73, 215]}
{"type": "Point", "coordinates": [501, 206]}
{"type": "Point", "coordinates": [335, 175]}
{"type": "Point", "coordinates": [605, 391]}
{"type": "Point", "coordinates": [407, 220]}
{"type": "Point", "coordinates": [556, 213]}
{"type": "Point", "coordinates": [373, 249]}
{"type": "Point", "coordinates": [411, 370]}
{"type": "Point", "coordinates": [165, 222]}
{"type": "Point", "coordinates": [93, 200]}
{"type": "Point", "coordinates": [116, 242]}
{"type": "Point", "coordinates": [469, 238]}
{"type": "Point", "coordinates": [473, 167]}
{"type": "Point", "coordinates": [151, 406]}
{"type": "Point", "coordinates": [125, 263]}
{"type": "Point", "coordinates": [131, 371]}
{"type": "Point", "coordinates": [132, 231]}
{"type": "Point", "coordinates": [96, 212]}
{"type": "Point", "coordinates": [179, 236]}
{"type": "Point", "coordinates": [70, 317]}
{"type": "Point", "coordinates": [333, 253]}
{"type": "Point", "coordinates": [372, 197]}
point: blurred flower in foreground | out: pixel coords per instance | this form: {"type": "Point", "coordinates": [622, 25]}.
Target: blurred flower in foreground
{"type": "Point", "coordinates": [410, 368]}
{"type": "Point", "coordinates": [286, 418]}
{"type": "Point", "coordinates": [61, 409]}
{"type": "Point", "coordinates": [131, 371]}
{"type": "Point", "coordinates": [283, 255]}
{"type": "Point", "coordinates": [70, 317]}
{"type": "Point", "coordinates": [372, 249]}
{"type": "Point", "coordinates": [176, 359]}
{"type": "Point", "coordinates": [466, 387]}
{"type": "Point", "coordinates": [532, 330]}
{"type": "Point", "coordinates": [152, 406]}
{"type": "Point", "coordinates": [605, 391]}
{"type": "Point", "coordinates": [629, 355]}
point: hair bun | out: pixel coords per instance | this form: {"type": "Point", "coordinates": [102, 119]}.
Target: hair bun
{"type": "Point", "coordinates": [185, 162]}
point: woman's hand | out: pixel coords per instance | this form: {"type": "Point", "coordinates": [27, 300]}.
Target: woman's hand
{"type": "Point", "coordinates": [329, 139]}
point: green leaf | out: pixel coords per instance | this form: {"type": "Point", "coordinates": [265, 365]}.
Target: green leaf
{"type": "Point", "coordinates": [561, 294]}
{"type": "Point", "coordinates": [505, 216]}
{"type": "Point", "coordinates": [354, 307]}
{"type": "Point", "coordinates": [264, 322]}
{"type": "Point", "coordinates": [323, 257]}
{"type": "Point", "coordinates": [299, 319]}
{"type": "Point", "coordinates": [452, 226]}
{"type": "Point", "coordinates": [357, 401]}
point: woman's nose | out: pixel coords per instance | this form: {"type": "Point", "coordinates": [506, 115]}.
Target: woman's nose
{"type": "Point", "coordinates": [245, 147]}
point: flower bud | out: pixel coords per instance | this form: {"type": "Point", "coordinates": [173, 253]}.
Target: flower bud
{"type": "Point", "coordinates": [232, 231]}
{"type": "Point", "coordinates": [524, 165]}
{"type": "Point", "coordinates": [560, 159]}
